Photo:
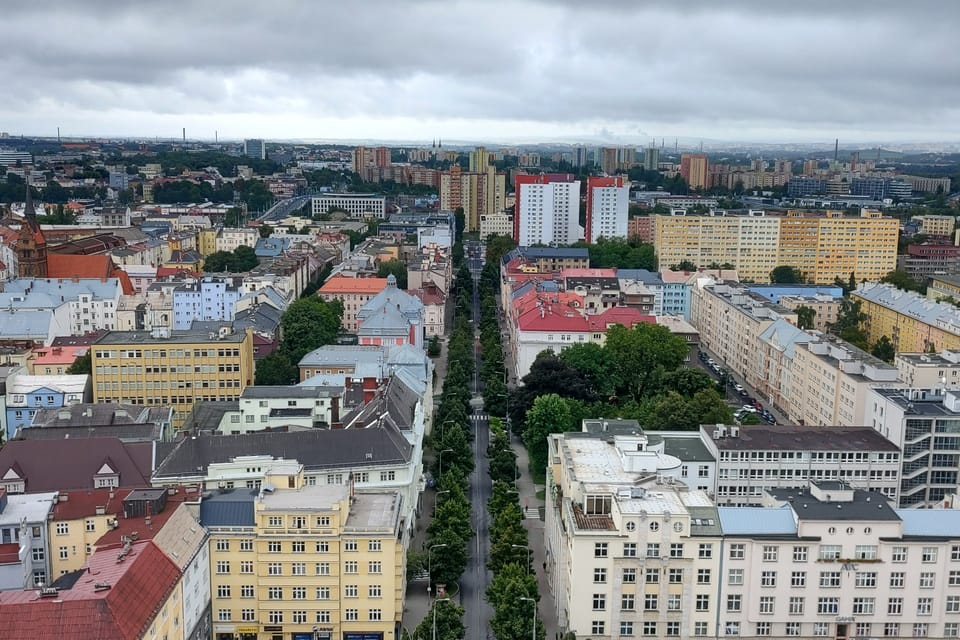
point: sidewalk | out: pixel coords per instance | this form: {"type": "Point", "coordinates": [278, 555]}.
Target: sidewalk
{"type": "Point", "coordinates": [535, 532]}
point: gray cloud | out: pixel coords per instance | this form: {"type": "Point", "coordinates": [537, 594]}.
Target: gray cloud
{"type": "Point", "coordinates": [870, 70]}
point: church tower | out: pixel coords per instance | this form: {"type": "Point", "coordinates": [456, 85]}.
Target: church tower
{"type": "Point", "coordinates": [31, 246]}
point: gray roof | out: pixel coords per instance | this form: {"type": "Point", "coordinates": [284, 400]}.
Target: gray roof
{"type": "Point", "coordinates": [315, 449]}
{"type": "Point", "coordinates": [931, 522]}
{"type": "Point", "coordinates": [685, 448]}
{"type": "Point", "coordinates": [134, 432]}
{"type": "Point", "coordinates": [192, 335]}
{"type": "Point", "coordinates": [761, 437]}
{"type": "Point", "coordinates": [704, 521]}
{"type": "Point", "coordinates": [866, 505]}
{"type": "Point", "coordinates": [940, 314]}
{"type": "Point", "coordinates": [552, 252]}
{"type": "Point", "coordinates": [784, 334]}
{"type": "Point", "coordinates": [739, 521]}
{"type": "Point", "coordinates": [99, 414]}
{"type": "Point", "coordinates": [345, 355]}
{"type": "Point", "coordinates": [918, 403]}
{"type": "Point", "coordinates": [228, 508]}
{"type": "Point", "coordinates": [207, 414]}
{"type": "Point", "coordinates": [280, 391]}
{"type": "Point", "coordinates": [25, 324]}
{"type": "Point", "coordinates": [640, 275]}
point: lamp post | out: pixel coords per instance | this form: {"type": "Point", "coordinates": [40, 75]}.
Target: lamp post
{"type": "Point", "coordinates": [529, 554]}
{"type": "Point", "coordinates": [533, 634]}
{"type": "Point", "coordinates": [516, 467]}
{"type": "Point", "coordinates": [441, 460]}
{"type": "Point", "coordinates": [430, 567]}
{"type": "Point", "coordinates": [443, 427]}
{"type": "Point", "coordinates": [435, 615]}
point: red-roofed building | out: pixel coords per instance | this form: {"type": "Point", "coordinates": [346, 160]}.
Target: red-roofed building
{"type": "Point", "coordinates": [434, 308]}
{"type": "Point", "coordinates": [353, 293]}
{"type": "Point", "coordinates": [79, 519]}
{"type": "Point", "coordinates": [54, 360]}
{"type": "Point", "coordinates": [79, 266]}
{"type": "Point", "coordinates": [123, 594]}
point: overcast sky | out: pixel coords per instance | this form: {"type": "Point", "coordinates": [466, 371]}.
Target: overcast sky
{"type": "Point", "coordinates": [497, 70]}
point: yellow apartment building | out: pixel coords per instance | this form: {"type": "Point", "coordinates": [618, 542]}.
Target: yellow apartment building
{"type": "Point", "coordinates": [78, 520]}
{"type": "Point", "coordinates": [207, 241]}
{"type": "Point", "coordinates": [913, 323]}
{"type": "Point", "coordinates": [300, 560]}
{"type": "Point", "coordinates": [174, 368]}
{"type": "Point", "coordinates": [821, 246]}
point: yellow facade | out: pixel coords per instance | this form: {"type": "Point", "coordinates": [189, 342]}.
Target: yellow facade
{"type": "Point", "coordinates": [822, 247]}
{"type": "Point", "coordinates": [315, 560]}
{"type": "Point", "coordinates": [168, 624]}
{"type": "Point", "coordinates": [73, 540]}
{"type": "Point", "coordinates": [137, 367]}
{"type": "Point", "coordinates": [207, 241]}
{"type": "Point", "coordinates": [906, 332]}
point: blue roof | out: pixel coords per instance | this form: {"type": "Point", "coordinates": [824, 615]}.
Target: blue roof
{"type": "Point", "coordinates": [757, 520]}
{"type": "Point", "coordinates": [930, 522]}
{"type": "Point", "coordinates": [231, 509]}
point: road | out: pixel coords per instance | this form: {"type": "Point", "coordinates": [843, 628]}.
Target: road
{"type": "Point", "coordinates": [283, 208]}
{"type": "Point", "coordinates": [475, 579]}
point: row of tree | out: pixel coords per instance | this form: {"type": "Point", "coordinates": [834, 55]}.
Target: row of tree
{"type": "Point", "coordinates": [512, 593]}
{"type": "Point", "coordinates": [492, 369]}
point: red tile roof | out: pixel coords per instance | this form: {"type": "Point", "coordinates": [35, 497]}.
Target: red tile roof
{"type": "Point", "coordinates": [341, 284]}
{"type": "Point", "coordinates": [571, 272]}
{"type": "Point", "coordinates": [73, 505]}
{"type": "Point", "coordinates": [10, 553]}
{"type": "Point", "coordinates": [64, 465]}
{"type": "Point", "coordinates": [126, 526]}
{"type": "Point", "coordinates": [138, 586]}
{"type": "Point", "coordinates": [79, 266]}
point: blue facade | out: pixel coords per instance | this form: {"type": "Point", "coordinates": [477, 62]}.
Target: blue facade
{"type": "Point", "coordinates": [773, 292]}
{"type": "Point", "coordinates": [672, 298]}
{"type": "Point", "coordinates": [22, 407]}
{"type": "Point", "coordinates": [211, 299]}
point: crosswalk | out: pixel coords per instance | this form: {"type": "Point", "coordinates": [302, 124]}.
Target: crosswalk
{"type": "Point", "coordinates": [531, 513]}
{"type": "Point", "coordinates": [479, 417]}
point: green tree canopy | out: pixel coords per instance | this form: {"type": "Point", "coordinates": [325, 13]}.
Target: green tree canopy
{"type": "Point", "coordinates": [397, 269]}
{"type": "Point", "coordinates": [549, 414]}
{"type": "Point", "coordinates": [641, 355]}
{"type": "Point", "coordinates": [884, 350]}
{"type": "Point", "coordinates": [849, 323]}
{"type": "Point", "coordinates": [786, 274]}
{"type": "Point", "coordinates": [82, 365]}
{"type": "Point", "coordinates": [806, 317]}
{"type": "Point", "coordinates": [309, 323]}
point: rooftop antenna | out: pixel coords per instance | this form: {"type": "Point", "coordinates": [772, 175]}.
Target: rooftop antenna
{"type": "Point", "coordinates": [215, 136]}
{"type": "Point", "coordinates": [836, 150]}
{"type": "Point", "coordinates": [701, 146]}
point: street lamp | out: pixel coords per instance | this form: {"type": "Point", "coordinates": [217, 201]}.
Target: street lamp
{"type": "Point", "coordinates": [441, 460]}
{"type": "Point", "coordinates": [430, 566]}
{"type": "Point", "coordinates": [529, 554]}
{"type": "Point", "coordinates": [533, 634]}
{"type": "Point", "coordinates": [516, 466]}
{"type": "Point", "coordinates": [443, 427]}
{"type": "Point", "coordinates": [435, 615]}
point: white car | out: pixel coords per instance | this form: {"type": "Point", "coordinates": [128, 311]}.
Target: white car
{"type": "Point", "coordinates": [748, 408]}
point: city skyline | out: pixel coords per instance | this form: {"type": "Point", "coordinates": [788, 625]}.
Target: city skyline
{"type": "Point", "coordinates": [606, 73]}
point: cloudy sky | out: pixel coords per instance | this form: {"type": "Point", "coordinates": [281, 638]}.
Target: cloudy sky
{"type": "Point", "coordinates": [497, 70]}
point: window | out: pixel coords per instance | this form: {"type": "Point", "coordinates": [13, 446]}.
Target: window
{"type": "Point", "coordinates": [350, 566]}
{"type": "Point", "coordinates": [599, 601]}
{"type": "Point", "coordinates": [275, 593]}
{"type": "Point", "coordinates": [627, 602]}
{"type": "Point", "coordinates": [766, 605]}
{"type": "Point", "coordinates": [246, 566]}
{"type": "Point", "coordinates": [273, 546]}
{"type": "Point", "coordinates": [651, 602]}
{"type": "Point", "coordinates": [375, 567]}
{"type": "Point", "coordinates": [650, 629]}
{"type": "Point", "coordinates": [924, 606]}
{"type": "Point", "coordinates": [700, 628]}
{"type": "Point", "coordinates": [223, 566]}
{"type": "Point", "coordinates": [768, 578]}
{"type": "Point", "coordinates": [891, 630]}
{"type": "Point", "coordinates": [953, 604]}
{"type": "Point", "coordinates": [792, 629]}
{"type": "Point", "coordinates": [275, 521]}
{"type": "Point", "coordinates": [324, 521]}
{"type": "Point", "coordinates": [351, 591]}
{"type": "Point", "coordinates": [732, 628]}
{"type": "Point", "coordinates": [863, 606]}
{"type": "Point", "coordinates": [299, 617]}
{"type": "Point", "coordinates": [374, 615]}
{"type": "Point", "coordinates": [705, 551]}
{"type": "Point", "coordinates": [734, 602]}
{"type": "Point", "coordinates": [864, 629]}
{"type": "Point", "coordinates": [830, 579]}
{"type": "Point", "coordinates": [895, 606]}
{"type": "Point", "coordinates": [800, 554]}
{"type": "Point", "coordinates": [865, 552]}
{"type": "Point", "coordinates": [629, 575]}
{"type": "Point", "coordinates": [896, 580]}
{"type": "Point", "coordinates": [298, 546]}
{"type": "Point", "coordinates": [899, 554]}
{"type": "Point", "coordinates": [600, 550]}
{"type": "Point", "coordinates": [830, 551]}
{"type": "Point", "coordinates": [323, 616]}
{"type": "Point", "coordinates": [274, 569]}
{"type": "Point", "coordinates": [222, 545]}
{"type": "Point", "coordinates": [626, 628]}
{"type": "Point", "coordinates": [763, 628]}
{"type": "Point", "coordinates": [91, 525]}
{"type": "Point", "coordinates": [865, 579]}
{"type": "Point", "coordinates": [735, 577]}
{"type": "Point", "coordinates": [323, 593]}
{"type": "Point", "coordinates": [629, 550]}
{"type": "Point", "coordinates": [597, 627]}
{"type": "Point", "coordinates": [246, 591]}
{"type": "Point", "coordinates": [796, 605]}
{"type": "Point", "coordinates": [703, 576]}
{"type": "Point", "coordinates": [223, 615]}
{"type": "Point", "coordinates": [373, 545]}
{"type": "Point", "coordinates": [298, 593]}
{"type": "Point", "coordinates": [653, 550]}
{"type": "Point", "coordinates": [928, 554]}
{"type": "Point", "coordinates": [926, 580]}
{"type": "Point", "coordinates": [702, 602]}
{"type": "Point", "coordinates": [675, 576]}
{"type": "Point", "coordinates": [770, 553]}
{"type": "Point", "coordinates": [951, 629]}
{"type": "Point", "coordinates": [374, 591]}
{"type": "Point", "coordinates": [323, 568]}
{"type": "Point", "coordinates": [323, 547]}
{"type": "Point", "coordinates": [955, 553]}
{"type": "Point", "coordinates": [275, 617]}
{"type": "Point", "coordinates": [676, 550]}
{"type": "Point", "coordinates": [673, 602]}
{"type": "Point", "coordinates": [737, 551]}
{"type": "Point", "coordinates": [63, 528]}
{"type": "Point", "coordinates": [248, 615]}
{"type": "Point", "coordinates": [350, 545]}
{"type": "Point", "coordinates": [953, 579]}
{"type": "Point", "coordinates": [673, 629]}
{"type": "Point", "coordinates": [246, 545]}
{"type": "Point", "coordinates": [798, 579]}
{"type": "Point", "coordinates": [388, 476]}
{"type": "Point", "coordinates": [38, 554]}
{"type": "Point", "coordinates": [599, 575]}
{"type": "Point", "coordinates": [828, 606]}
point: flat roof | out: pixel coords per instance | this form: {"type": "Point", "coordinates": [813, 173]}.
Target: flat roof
{"type": "Point", "coordinates": [32, 507]}
{"type": "Point", "coordinates": [685, 447]}
{"type": "Point", "coordinates": [757, 521]}
{"type": "Point", "coordinates": [374, 511]}
{"type": "Point", "coordinates": [307, 498]}
{"type": "Point", "coordinates": [865, 506]}
{"type": "Point", "coordinates": [920, 404]}
{"type": "Point", "coordinates": [760, 437]}
{"type": "Point", "coordinates": [188, 336]}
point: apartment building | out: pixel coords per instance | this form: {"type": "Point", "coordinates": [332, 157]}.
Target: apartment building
{"type": "Point", "coordinates": [774, 374]}
{"type": "Point", "coordinates": [496, 224]}
{"type": "Point", "coordinates": [26, 394]}
{"type": "Point", "coordinates": [25, 546]}
{"type": "Point", "coordinates": [354, 293]}
{"type": "Point", "coordinates": [823, 247]}
{"type": "Point", "coordinates": [923, 261]}
{"type": "Point", "coordinates": [670, 296]}
{"type": "Point", "coordinates": [825, 308]}
{"type": "Point", "coordinates": [356, 205]}
{"type": "Point", "coordinates": [229, 239]}
{"type": "Point", "coordinates": [832, 561]}
{"type": "Point", "coordinates": [942, 226]}
{"type": "Point", "coordinates": [607, 207]}
{"type": "Point", "coordinates": [208, 299]}
{"type": "Point", "coordinates": [754, 459]}
{"type": "Point", "coordinates": [322, 562]}
{"type": "Point", "coordinates": [943, 286]}
{"type": "Point", "coordinates": [695, 167]}
{"type": "Point", "coordinates": [174, 368]}
{"type": "Point", "coordinates": [479, 192]}
{"type": "Point", "coordinates": [922, 423]}
{"type": "Point", "coordinates": [929, 370]}
{"type": "Point", "coordinates": [547, 209]}
{"type": "Point", "coordinates": [631, 551]}
{"type": "Point", "coordinates": [910, 321]}
{"type": "Point", "coordinates": [831, 380]}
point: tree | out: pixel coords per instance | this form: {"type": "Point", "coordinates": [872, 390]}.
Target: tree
{"type": "Point", "coordinates": [397, 269]}
{"type": "Point", "coordinates": [549, 414]}
{"type": "Point", "coordinates": [509, 594]}
{"type": "Point", "coordinates": [806, 317]}
{"type": "Point", "coordinates": [309, 323]}
{"type": "Point", "coordinates": [785, 274]}
{"type": "Point", "coordinates": [460, 223]}
{"type": "Point", "coordinates": [687, 381]}
{"type": "Point", "coordinates": [448, 619]}
{"type": "Point", "coordinates": [641, 355]}
{"type": "Point", "coordinates": [276, 369]}
{"type": "Point", "coordinates": [595, 364]}
{"type": "Point", "coordinates": [83, 365]}
{"type": "Point", "coordinates": [884, 350]}
{"type": "Point", "coordinates": [849, 323]}
{"type": "Point", "coordinates": [265, 231]}
{"type": "Point", "coordinates": [684, 265]}
{"type": "Point", "coordinates": [434, 347]}
{"type": "Point", "coordinates": [448, 562]}
{"type": "Point", "coordinates": [902, 280]}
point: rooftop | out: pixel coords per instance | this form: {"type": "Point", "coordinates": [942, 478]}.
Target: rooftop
{"type": "Point", "coordinates": [342, 284]}
{"type": "Point", "coordinates": [187, 336]}
{"type": "Point", "coordinates": [921, 402]}
{"type": "Point", "coordinates": [73, 505]}
{"type": "Point", "coordinates": [740, 521]}
{"type": "Point", "coordinates": [939, 314]}
{"type": "Point", "coordinates": [61, 465]}
{"type": "Point", "coordinates": [374, 512]}
{"type": "Point", "coordinates": [29, 507]}
{"type": "Point", "coordinates": [761, 437]}
{"type": "Point", "coordinates": [864, 505]}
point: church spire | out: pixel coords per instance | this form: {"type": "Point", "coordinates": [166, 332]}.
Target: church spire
{"type": "Point", "coordinates": [29, 213]}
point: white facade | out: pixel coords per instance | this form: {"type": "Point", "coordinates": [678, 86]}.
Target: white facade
{"type": "Point", "coordinates": [263, 407]}
{"type": "Point", "coordinates": [499, 224]}
{"type": "Point", "coordinates": [208, 299]}
{"type": "Point", "coordinates": [357, 205]}
{"type": "Point", "coordinates": [609, 212]}
{"type": "Point", "coordinates": [549, 213]}
{"type": "Point", "coordinates": [229, 239]}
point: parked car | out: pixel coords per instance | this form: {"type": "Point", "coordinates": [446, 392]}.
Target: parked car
{"type": "Point", "coordinates": [748, 408]}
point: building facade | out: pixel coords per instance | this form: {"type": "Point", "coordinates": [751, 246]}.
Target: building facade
{"type": "Point", "coordinates": [607, 208]}
{"type": "Point", "coordinates": [547, 210]}
{"type": "Point", "coordinates": [356, 205]}
{"type": "Point", "coordinates": [910, 321]}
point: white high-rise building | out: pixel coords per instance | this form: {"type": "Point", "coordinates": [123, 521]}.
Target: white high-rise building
{"type": "Point", "coordinates": [547, 210]}
{"type": "Point", "coordinates": [607, 207]}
